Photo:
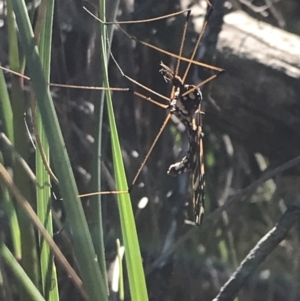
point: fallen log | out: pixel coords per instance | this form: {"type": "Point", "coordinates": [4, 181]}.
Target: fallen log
{"type": "Point", "coordinates": [259, 95]}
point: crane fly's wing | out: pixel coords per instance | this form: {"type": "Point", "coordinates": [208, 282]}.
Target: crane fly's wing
{"type": "Point", "coordinates": [198, 169]}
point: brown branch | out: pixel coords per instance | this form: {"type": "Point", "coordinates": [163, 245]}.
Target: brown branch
{"type": "Point", "coordinates": [258, 254]}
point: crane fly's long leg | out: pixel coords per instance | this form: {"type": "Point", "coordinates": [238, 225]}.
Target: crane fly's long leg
{"type": "Point", "coordinates": [66, 85]}
{"type": "Point", "coordinates": [198, 42]}
{"type": "Point", "coordinates": [150, 100]}
{"type": "Point", "coordinates": [140, 168]}
{"type": "Point", "coordinates": [136, 82]}
{"type": "Point", "coordinates": [89, 87]}
{"type": "Point", "coordinates": [182, 41]}
{"type": "Point", "coordinates": [179, 57]}
{"type": "Point", "coordinates": [180, 53]}
{"type": "Point", "coordinates": [150, 150]}
{"type": "Point", "coordinates": [137, 21]}
{"type": "Point", "coordinates": [154, 47]}
{"type": "Point", "coordinates": [202, 83]}
{"type": "Point", "coordinates": [101, 88]}
{"type": "Point", "coordinates": [103, 193]}
{"type": "Point", "coordinates": [171, 53]}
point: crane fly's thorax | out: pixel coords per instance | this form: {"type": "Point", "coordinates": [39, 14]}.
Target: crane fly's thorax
{"type": "Point", "coordinates": [184, 106]}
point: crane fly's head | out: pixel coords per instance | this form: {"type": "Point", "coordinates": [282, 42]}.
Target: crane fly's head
{"type": "Point", "coordinates": [169, 75]}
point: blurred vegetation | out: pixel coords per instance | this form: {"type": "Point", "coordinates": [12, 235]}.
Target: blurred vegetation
{"type": "Point", "coordinates": [200, 260]}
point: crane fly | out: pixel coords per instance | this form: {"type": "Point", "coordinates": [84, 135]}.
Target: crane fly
{"type": "Point", "coordinates": [184, 101]}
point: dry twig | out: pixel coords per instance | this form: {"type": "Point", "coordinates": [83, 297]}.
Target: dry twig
{"type": "Point", "coordinates": [258, 254]}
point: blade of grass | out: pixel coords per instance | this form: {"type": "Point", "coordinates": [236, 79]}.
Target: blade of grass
{"type": "Point", "coordinates": [137, 282]}
{"type": "Point", "coordinates": [20, 274]}
{"type": "Point", "coordinates": [84, 250]}
{"type": "Point", "coordinates": [10, 210]}
{"type": "Point", "coordinates": [28, 210]}
{"type": "Point", "coordinates": [6, 116]}
{"type": "Point", "coordinates": [134, 265]}
{"type": "Point", "coordinates": [96, 204]}
{"type": "Point", "coordinates": [6, 110]}
{"type": "Point", "coordinates": [43, 33]}
{"type": "Point", "coordinates": [28, 241]}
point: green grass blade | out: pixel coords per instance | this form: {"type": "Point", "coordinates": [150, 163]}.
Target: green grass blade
{"type": "Point", "coordinates": [48, 271]}
{"type": "Point", "coordinates": [96, 204]}
{"type": "Point", "coordinates": [137, 282]}
{"type": "Point", "coordinates": [6, 111]}
{"type": "Point", "coordinates": [28, 241]}
{"type": "Point", "coordinates": [84, 250]}
{"type": "Point", "coordinates": [10, 210]}
{"type": "Point", "coordinates": [6, 116]}
{"type": "Point", "coordinates": [20, 274]}
{"type": "Point", "coordinates": [134, 265]}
